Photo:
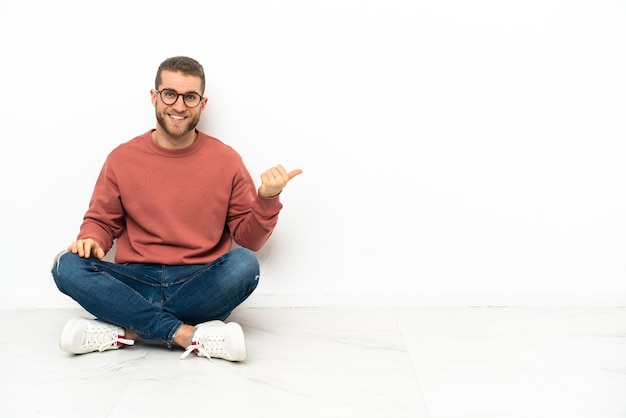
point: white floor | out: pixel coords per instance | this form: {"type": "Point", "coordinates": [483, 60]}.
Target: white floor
{"type": "Point", "coordinates": [340, 363]}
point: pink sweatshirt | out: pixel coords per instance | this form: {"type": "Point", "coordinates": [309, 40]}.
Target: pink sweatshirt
{"type": "Point", "coordinates": [177, 206]}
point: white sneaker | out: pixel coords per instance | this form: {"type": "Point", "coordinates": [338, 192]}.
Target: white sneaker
{"type": "Point", "coordinates": [82, 335]}
{"type": "Point", "coordinates": [219, 340]}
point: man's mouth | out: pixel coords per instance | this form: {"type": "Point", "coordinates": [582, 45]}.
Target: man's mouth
{"type": "Point", "coordinates": [177, 118]}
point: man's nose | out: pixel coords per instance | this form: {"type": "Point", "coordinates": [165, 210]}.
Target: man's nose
{"type": "Point", "coordinates": [179, 104]}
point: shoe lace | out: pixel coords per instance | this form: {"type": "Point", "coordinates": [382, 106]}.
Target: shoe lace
{"type": "Point", "coordinates": [206, 345]}
{"type": "Point", "coordinates": [103, 338]}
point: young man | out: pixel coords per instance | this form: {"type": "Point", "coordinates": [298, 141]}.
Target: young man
{"type": "Point", "coordinates": [175, 199]}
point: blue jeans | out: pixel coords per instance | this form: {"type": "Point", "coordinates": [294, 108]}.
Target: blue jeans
{"type": "Point", "coordinates": [155, 300]}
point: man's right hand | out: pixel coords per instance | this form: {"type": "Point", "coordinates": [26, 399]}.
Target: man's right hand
{"type": "Point", "coordinates": [86, 248]}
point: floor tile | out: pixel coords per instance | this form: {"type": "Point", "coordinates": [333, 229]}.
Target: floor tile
{"type": "Point", "coordinates": [339, 363]}
{"type": "Point", "coordinates": [523, 392]}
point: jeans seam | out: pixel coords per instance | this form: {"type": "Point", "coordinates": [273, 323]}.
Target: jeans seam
{"type": "Point", "coordinates": [182, 284]}
{"type": "Point", "coordinates": [110, 277]}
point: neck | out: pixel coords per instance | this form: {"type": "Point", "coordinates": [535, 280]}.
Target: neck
{"type": "Point", "coordinates": [163, 139]}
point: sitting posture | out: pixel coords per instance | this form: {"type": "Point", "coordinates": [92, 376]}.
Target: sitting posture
{"type": "Point", "coordinates": [173, 200]}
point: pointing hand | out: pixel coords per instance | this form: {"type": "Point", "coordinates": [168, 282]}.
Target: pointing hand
{"type": "Point", "coordinates": [274, 180]}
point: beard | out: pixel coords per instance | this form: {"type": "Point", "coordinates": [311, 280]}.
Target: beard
{"type": "Point", "coordinates": [177, 131]}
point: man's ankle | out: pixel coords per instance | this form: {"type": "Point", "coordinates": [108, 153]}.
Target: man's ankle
{"type": "Point", "coordinates": [129, 334]}
{"type": "Point", "coordinates": [182, 337]}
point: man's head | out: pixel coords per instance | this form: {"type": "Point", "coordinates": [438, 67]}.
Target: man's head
{"type": "Point", "coordinates": [183, 65]}
{"type": "Point", "coordinates": [177, 97]}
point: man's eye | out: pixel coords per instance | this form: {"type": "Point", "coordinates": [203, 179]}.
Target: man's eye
{"type": "Point", "coordinates": [169, 94]}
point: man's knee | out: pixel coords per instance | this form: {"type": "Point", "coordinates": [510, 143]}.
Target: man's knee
{"type": "Point", "coordinates": [57, 257]}
{"type": "Point", "coordinates": [66, 266]}
{"type": "Point", "coordinates": [247, 260]}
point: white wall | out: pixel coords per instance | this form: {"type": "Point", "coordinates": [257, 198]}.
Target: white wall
{"type": "Point", "coordinates": [455, 152]}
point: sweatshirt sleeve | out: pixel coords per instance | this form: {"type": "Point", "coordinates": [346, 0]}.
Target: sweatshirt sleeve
{"type": "Point", "coordinates": [103, 221]}
{"type": "Point", "coordinates": [251, 218]}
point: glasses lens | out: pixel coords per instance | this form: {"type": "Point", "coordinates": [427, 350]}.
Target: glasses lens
{"type": "Point", "coordinates": [192, 99]}
{"type": "Point", "coordinates": [169, 96]}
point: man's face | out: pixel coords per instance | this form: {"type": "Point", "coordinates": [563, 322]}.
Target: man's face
{"type": "Point", "coordinates": [178, 119]}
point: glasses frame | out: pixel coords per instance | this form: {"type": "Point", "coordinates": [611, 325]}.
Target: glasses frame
{"type": "Point", "coordinates": [160, 92]}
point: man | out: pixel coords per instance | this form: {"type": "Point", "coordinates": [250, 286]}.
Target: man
{"type": "Point", "coordinates": [175, 199]}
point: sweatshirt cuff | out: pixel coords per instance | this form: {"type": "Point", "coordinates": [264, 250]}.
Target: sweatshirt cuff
{"type": "Point", "coordinates": [267, 206]}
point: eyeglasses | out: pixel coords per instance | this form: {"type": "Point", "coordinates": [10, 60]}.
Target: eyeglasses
{"type": "Point", "coordinates": [169, 97]}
